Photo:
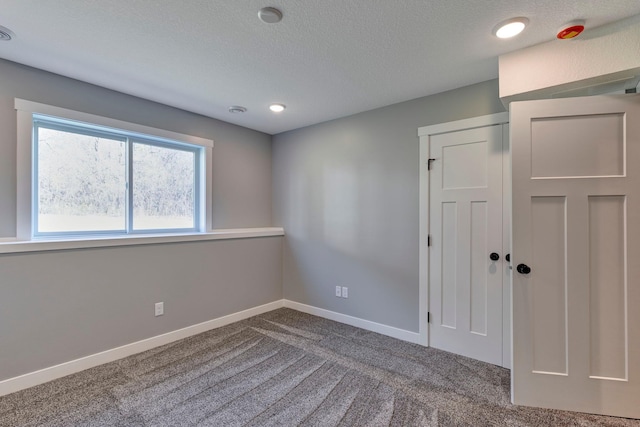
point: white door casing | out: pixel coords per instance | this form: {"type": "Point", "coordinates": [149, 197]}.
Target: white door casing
{"type": "Point", "coordinates": [576, 224]}
{"type": "Point", "coordinates": [506, 245]}
{"type": "Point", "coordinates": [467, 316]}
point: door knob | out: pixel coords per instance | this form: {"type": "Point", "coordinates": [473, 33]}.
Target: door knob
{"type": "Point", "coordinates": [508, 257]}
{"type": "Point", "coordinates": [494, 256]}
{"type": "Point", "coordinates": [523, 269]}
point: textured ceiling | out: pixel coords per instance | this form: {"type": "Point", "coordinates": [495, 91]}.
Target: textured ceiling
{"type": "Point", "coordinates": [326, 59]}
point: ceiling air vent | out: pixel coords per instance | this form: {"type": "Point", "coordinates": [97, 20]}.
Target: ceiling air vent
{"type": "Point", "coordinates": [601, 88]}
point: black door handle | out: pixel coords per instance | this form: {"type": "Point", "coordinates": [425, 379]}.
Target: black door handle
{"type": "Point", "coordinates": [508, 257]}
{"type": "Point", "coordinates": [523, 269]}
{"type": "Point", "coordinates": [494, 256]}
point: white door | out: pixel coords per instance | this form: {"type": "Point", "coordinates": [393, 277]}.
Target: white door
{"type": "Point", "coordinates": [576, 254]}
{"type": "Point", "coordinates": [466, 228]}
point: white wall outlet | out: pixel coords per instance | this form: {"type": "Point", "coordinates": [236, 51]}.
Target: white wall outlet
{"type": "Point", "coordinates": [159, 309]}
{"type": "Point", "coordinates": [345, 292]}
{"type": "Point", "coordinates": [338, 291]}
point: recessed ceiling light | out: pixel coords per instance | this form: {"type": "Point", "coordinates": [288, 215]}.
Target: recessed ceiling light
{"type": "Point", "coordinates": [510, 28]}
{"type": "Point", "coordinates": [237, 109]}
{"type": "Point", "coordinates": [277, 108]}
{"type": "Point", "coordinates": [270, 15]}
{"type": "Point", "coordinates": [6, 34]}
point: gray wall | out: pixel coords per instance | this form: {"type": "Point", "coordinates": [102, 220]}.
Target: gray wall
{"type": "Point", "coordinates": [241, 157]}
{"type": "Point", "coordinates": [58, 306]}
{"type": "Point", "coordinates": [346, 192]}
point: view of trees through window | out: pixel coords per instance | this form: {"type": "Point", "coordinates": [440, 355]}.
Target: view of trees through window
{"type": "Point", "coordinates": [82, 184]}
{"type": "Point", "coordinates": [163, 187]}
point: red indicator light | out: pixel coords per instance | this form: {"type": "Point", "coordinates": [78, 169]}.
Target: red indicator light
{"type": "Point", "coordinates": [570, 32]}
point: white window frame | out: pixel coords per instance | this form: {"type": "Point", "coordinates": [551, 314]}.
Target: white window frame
{"type": "Point", "coordinates": [25, 158]}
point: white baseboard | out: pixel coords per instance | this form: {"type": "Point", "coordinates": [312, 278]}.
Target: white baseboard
{"type": "Point", "coordinates": [390, 331]}
{"type": "Point", "coordinates": [31, 379]}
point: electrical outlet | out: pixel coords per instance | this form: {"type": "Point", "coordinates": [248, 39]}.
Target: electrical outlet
{"type": "Point", "coordinates": [159, 309]}
{"type": "Point", "coordinates": [345, 292]}
{"type": "Point", "coordinates": [338, 291]}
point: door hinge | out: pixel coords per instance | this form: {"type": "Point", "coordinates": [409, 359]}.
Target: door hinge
{"type": "Point", "coordinates": [429, 240]}
{"type": "Point", "coordinates": [429, 163]}
{"type": "Point", "coordinates": [428, 317]}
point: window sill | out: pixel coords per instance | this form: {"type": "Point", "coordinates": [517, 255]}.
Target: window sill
{"type": "Point", "coordinates": [11, 246]}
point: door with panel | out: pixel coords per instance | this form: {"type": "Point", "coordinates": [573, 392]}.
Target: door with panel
{"type": "Point", "coordinates": [576, 246]}
{"type": "Point", "coordinates": [466, 258]}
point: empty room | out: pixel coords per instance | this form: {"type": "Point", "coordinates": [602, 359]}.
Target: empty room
{"type": "Point", "coordinates": [327, 213]}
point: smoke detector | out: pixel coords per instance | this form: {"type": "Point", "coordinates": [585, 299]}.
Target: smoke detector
{"type": "Point", "coordinates": [270, 15]}
{"type": "Point", "coordinates": [570, 30]}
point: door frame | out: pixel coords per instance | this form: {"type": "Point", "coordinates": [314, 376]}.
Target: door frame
{"type": "Point", "coordinates": [425, 133]}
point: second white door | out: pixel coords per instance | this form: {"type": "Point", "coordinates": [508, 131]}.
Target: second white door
{"type": "Point", "coordinates": [576, 246]}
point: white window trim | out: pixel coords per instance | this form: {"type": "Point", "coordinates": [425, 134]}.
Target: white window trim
{"type": "Point", "coordinates": [24, 163]}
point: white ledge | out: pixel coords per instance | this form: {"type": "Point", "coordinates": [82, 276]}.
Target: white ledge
{"type": "Point", "coordinates": [10, 246]}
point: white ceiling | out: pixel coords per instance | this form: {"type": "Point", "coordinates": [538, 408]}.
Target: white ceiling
{"type": "Point", "coordinates": [326, 59]}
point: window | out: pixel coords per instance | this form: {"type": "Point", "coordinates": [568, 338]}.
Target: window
{"type": "Point", "coordinates": [92, 176]}
{"type": "Point", "coordinates": [96, 180]}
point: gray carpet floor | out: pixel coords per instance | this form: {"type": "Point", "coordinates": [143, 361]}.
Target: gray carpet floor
{"type": "Point", "coordinates": [285, 368]}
